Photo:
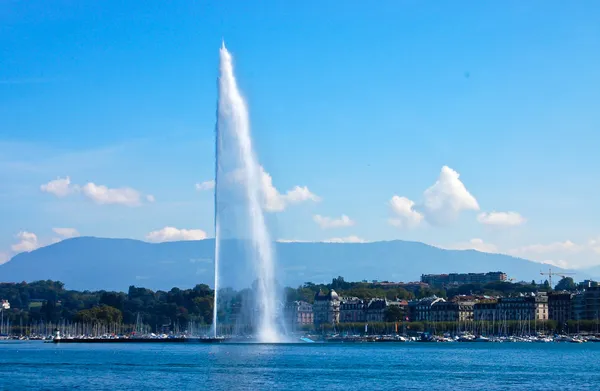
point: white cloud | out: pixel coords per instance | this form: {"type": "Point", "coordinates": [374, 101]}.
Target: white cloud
{"type": "Point", "coordinates": [565, 254]}
{"type": "Point", "coordinates": [272, 199]}
{"type": "Point", "coordinates": [60, 187]}
{"type": "Point", "coordinates": [475, 244]}
{"type": "Point", "coordinates": [207, 185]}
{"type": "Point", "coordinates": [347, 239]}
{"type": "Point", "coordinates": [595, 245]}
{"type": "Point", "coordinates": [447, 197]}
{"type": "Point", "coordinates": [100, 194]}
{"type": "Point", "coordinates": [170, 234]}
{"type": "Point", "coordinates": [300, 194]}
{"type": "Point", "coordinates": [4, 257]}
{"type": "Point", "coordinates": [405, 215]}
{"type": "Point", "coordinates": [330, 222]}
{"type": "Point", "coordinates": [28, 241]}
{"type": "Point", "coordinates": [66, 233]}
{"type": "Point", "coordinates": [103, 195]}
{"type": "Point", "coordinates": [442, 202]}
{"type": "Point", "coordinates": [565, 247]}
{"type": "Point", "coordinates": [556, 262]}
{"type": "Point", "coordinates": [501, 219]}
{"type": "Point", "coordinates": [293, 241]}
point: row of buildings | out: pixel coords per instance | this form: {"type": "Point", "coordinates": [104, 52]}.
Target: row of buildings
{"type": "Point", "coordinates": [455, 279]}
{"type": "Point", "coordinates": [472, 308]}
{"type": "Point", "coordinates": [558, 306]}
{"type": "Point", "coordinates": [330, 308]}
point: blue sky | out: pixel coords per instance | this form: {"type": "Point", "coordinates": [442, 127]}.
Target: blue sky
{"type": "Point", "coordinates": [357, 103]}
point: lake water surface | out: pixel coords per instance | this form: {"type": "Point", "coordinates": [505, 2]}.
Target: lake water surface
{"type": "Point", "coordinates": [379, 366]}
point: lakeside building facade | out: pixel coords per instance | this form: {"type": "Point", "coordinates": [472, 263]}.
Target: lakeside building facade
{"type": "Point", "coordinates": [451, 311]}
{"type": "Point", "coordinates": [559, 307]}
{"type": "Point", "coordinates": [420, 310]}
{"type": "Point", "coordinates": [586, 304]}
{"type": "Point", "coordinates": [376, 310]}
{"type": "Point", "coordinates": [298, 314]}
{"type": "Point", "coordinates": [326, 308]}
{"type": "Point", "coordinates": [330, 309]}
{"type": "Point", "coordinates": [353, 310]}
{"type": "Point", "coordinates": [525, 307]}
{"type": "Point", "coordinates": [519, 308]}
{"type": "Point", "coordinates": [455, 279]}
{"type": "Point", "coordinates": [486, 310]}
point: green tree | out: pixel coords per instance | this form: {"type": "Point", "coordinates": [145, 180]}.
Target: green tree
{"type": "Point", "coordinates": [547, 286]}
{"type": "Point", "coordinates": [203, 290]}
{"type": "Point", "coordinates": [101, 314]}
{"type": "Point", "coordinates": [566, 284]}
{"type": "Point", "coordinates": [339, 283]}
{"type": "Point", "coordinates": [203, 307]}
{"type": "Point", "coordinates": [393, 313]}
{"type": "Point", "coordinates": [113, 299]}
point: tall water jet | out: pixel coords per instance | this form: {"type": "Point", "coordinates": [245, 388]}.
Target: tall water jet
{"type": "Point", "coordinates": [242, 240]}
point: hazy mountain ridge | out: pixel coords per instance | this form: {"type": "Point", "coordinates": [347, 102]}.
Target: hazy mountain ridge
{"type": "Point", "coordinates": [114, 264]}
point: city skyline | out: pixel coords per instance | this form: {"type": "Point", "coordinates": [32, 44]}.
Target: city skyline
{"type": "Point", "coordinates": [459, 127]}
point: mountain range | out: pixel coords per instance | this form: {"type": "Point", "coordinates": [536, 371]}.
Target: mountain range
{"type": "Point", "coordinates": [89, 263]}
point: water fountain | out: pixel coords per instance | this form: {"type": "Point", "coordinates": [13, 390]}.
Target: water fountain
{"type": "Point", "coordinates": [243, 247]}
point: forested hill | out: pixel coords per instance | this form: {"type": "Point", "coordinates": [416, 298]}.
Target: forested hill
{"type": "Point", "coordinates": [88, 263]}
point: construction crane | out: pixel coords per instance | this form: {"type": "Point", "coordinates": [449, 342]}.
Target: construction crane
{"type": "Point", "coordinates": [550, 274]}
